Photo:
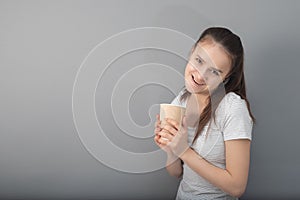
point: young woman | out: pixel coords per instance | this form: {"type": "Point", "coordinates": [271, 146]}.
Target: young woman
{"type": "Point", "coordinates": [210, 148]}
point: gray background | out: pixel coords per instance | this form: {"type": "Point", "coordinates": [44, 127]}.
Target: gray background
{"type": "Point", "coordinates": [43, 43]}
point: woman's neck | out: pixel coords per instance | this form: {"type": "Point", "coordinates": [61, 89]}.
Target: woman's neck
{"type": "Point", "coordinates": [195, 105]}
{"type": "Point", "coordinates": [200, 99]}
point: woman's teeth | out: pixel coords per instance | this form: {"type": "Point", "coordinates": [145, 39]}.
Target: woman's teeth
{"type": "Point", "coordinates": [196, 81]}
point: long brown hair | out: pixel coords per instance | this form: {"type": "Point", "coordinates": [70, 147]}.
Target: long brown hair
{"type": "Point", "coordinates": [235, 81]}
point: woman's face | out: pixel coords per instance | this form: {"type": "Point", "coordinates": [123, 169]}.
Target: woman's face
{"type": "Point", "coordinates": [208, 66]}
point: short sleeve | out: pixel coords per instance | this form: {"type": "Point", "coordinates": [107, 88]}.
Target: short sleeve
{"type": "Point", "coordinates": [238, 123]}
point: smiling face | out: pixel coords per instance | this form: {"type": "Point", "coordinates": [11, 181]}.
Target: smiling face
{"type": "Point", "coordinates": [208, 66]}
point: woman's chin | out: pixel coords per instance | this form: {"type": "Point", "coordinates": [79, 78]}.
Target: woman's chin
{"type": "Point", "coordinates": [194, 90]}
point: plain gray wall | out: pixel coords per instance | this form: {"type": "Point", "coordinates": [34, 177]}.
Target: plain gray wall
{"type": "Point", "coordinates": [43, 43]}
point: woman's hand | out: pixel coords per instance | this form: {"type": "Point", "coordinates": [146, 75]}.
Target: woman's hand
{"type": "Point", "coordinates": [174, 135]}
{"type": "Point", "coordinates": [159, 139]}
{"type": "Point", "coordinates": [173, 163]}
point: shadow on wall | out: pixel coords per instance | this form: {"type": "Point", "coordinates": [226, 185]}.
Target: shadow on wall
{"type": "Point", "coordinates": [275, 163]}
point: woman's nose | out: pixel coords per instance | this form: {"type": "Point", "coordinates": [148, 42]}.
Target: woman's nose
{"type": "Point", "coordinates": [200, 74]}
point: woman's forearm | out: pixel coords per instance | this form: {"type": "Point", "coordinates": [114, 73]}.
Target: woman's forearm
{"type": "Point", "coordinates": [217, 176]}
{"type": "Point", "coordinates": [174, 166]}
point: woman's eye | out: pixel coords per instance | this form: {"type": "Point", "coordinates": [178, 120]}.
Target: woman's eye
{"type": "Point", "coordinates": [215, 72]}
{"type": "Point", "coordinates": [199, 60]}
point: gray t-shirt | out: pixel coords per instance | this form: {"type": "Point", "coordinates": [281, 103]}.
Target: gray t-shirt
{"type": "Point", "coordinates": [232, 122]}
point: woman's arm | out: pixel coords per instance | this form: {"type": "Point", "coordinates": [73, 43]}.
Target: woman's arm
{"type": "Point", "coordinates": [232, 179]}
{"type": "Point", "coordinates": [173, 163]}
{"type": "Point", "coordinates": [174, 166]}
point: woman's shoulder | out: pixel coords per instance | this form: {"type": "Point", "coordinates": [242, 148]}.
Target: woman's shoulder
{"type": "Point", "coordinates": [232, 99]}
{"type": "Point", "coordinates": [233, 117]}
{"type": "Point", "coordinates": [231, 102]}
{"type": "Point", "coordinates": [233, 96]}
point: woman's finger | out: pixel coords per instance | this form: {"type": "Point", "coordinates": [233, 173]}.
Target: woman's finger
{"type": "Point", "coordinates": [156, 140]}
{"type": "Point", "coordinates": [157, 130]}
{"type": "Point", "coordinates": [157, 123]}
{"type": "Point", "coordinates": [163, 141]}
{"type": "Point", "coordinates": [166, 135]}
{"type": "Point", "coordinates": [157, 117]}
{"type": "Point", "coordinates": [169, 128]}
{"type": "Point", "coordinates": [173, 122]}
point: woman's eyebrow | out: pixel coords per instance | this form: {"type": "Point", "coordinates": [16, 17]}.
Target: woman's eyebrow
{"type": "Point", "coordinates": [211, 67]}
{"type": "Point", "coordinates": [200, 58]}
{"type": "Point", "coordinates": [217, 69]}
